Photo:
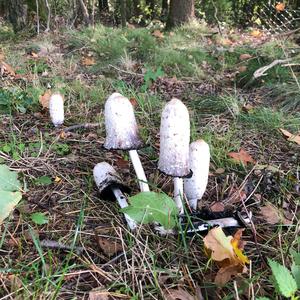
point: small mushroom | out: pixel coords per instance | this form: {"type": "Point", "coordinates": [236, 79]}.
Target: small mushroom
{"type": "Point", "coordinates": [56, 109]}
{"type": "Point", "coordinates": [110, 186]}
{"type": "Point", "coordinates": [174, 146]}
{"type": "Point", "coordinates": [122, 133]}
{"type": "Point", "coordinates": [195, 186]}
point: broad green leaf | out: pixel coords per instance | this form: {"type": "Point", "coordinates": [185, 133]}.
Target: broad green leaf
{"type": "Point", "coordinates": [284, 280]}
{"type": "Point", "coordinates": [8, 201]}
{"type": "Point", "coordinates": [43, 180]}
{"type": "Point", "coordinates": [148, 207]}
{"type": "Point", "coordinates": [39, 218]}
{"type": "Point", "coordinates": [8, 180]}
{"type": "Point", "coordinates": [296, 273]}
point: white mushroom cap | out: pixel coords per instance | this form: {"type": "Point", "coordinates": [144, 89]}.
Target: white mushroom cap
{"type": "Point", "coordinates": [174, 139]}
{"type": "Point", "coordinates": [106, 177]}
{"type": "Point", "coordinates": [121, 127]}
{"type": "Point", "coordinates": [56, 109]}
{"type": "Point", "coordinates": [195, 186]}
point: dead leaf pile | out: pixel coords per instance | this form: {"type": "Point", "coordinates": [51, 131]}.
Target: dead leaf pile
{"type": "Point", "coordinates": [227, 251]}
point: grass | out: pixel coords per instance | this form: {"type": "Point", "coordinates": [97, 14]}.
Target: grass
{"type": "Point", "coordinates": [149, 265]}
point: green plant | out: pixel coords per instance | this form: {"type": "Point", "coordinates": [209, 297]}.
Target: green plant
{"type": "Point", "coordinates": [61, 148]}
{"type": "Point", "coordinates": [148, 207]}
{"type": "Point", "coordinates": [39, 218]}
{"type": "Point", "coordinates": [285, 280]}
{"type": "Point", "coordinates": [150, 77]}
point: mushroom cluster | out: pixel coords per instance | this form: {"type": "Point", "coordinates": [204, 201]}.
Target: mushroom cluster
{"type": "Point", "coordinates": [187, 164]}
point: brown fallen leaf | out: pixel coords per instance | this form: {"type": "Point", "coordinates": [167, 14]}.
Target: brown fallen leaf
{"type": "Point", "coordinates": [133, 102]}
{"type": "Point", "coordinates": [217, 207]}
{"type": "Point", "coordinates": [177, 294]}
{"type": "Point", "coordinates": [98, 295]}
{"type": "Point", "coordinates": [270, 213]}
{"type": "Point", "coordinates": [109, 244]}
{"type": "Point", "coordinates": [242, 69]}
{"type": "Point", "coordinates": [280, 7]}
{"type": "Point", "coordinates": [5, 68]}
{"type": "Point", "coordinates": [290, 136]}
{"type": "Point", "coordinates": [245, 56]}
{"type": "Point", "coordinates": [34, 55]}
{"type": "Point", "coordinates": [242, 156]}
{"type": "Point", "coordinates": [227, 251]}
{"type": "Point", "coordinates": [44, 99]}
{"type": "Point", "coordinates": [88, 61]}
{"type": "Point", "coordinates": [158, 34]}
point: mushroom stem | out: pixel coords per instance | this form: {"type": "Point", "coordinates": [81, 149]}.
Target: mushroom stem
{"type": "Point", "coordinates": [123, 203]}
{"type": "Point", "coordinates": [178, 193]}
{"type": "Point", "coordinates": [193, 203]}
{"type": "Point", "coordinates": [138, 168]}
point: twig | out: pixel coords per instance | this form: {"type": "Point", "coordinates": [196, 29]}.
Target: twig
{"type": "Point", "coordinates": [84, 125]}
{"type": "Point", "coordinates": [261, 71]}
{"type": "Point", "coordinates": [37, 17]}
{"type": "Point", "coordinates": [57, 245]}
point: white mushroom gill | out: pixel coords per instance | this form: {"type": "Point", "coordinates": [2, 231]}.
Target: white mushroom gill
{"type": "Point", "coordinates": [56, 109]}
{"type": "Point", "coordinates": [195, 186]}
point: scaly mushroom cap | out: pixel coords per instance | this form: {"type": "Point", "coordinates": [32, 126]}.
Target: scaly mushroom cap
{"type": "Point", "coordinates": [120, 124]}
{"type": "Point", "coordinates": [195, 186]}
{"type": "Point", "coordinates": [174, 139]}
{"type": "Point", "coordinates": [56, 109]}
{"type": "Point", "coordinates": [106, 177]}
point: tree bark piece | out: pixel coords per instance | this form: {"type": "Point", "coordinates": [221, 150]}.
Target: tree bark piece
{"type": "Point", "coordinates": [85, 12]}
{"type": "Point", "coordinates": [17, 14]}
{"type": "Point", "coordinates": [181, 11]}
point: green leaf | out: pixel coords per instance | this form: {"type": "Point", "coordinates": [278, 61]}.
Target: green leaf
{"type": "Point", "coordinates": [43, 180]}
{"type": "Point", "coordinates": [296, 256]}
{"type": "Point", "coordinates": [148, 207]}
{"type": "Point", "coordinates": [8, 201]}
{"type": "Point", "coordinates": [9, 180]}
{"type": "Point", "coordinates": [296, 273]}
{"type": "Point", "coordinates": [284, 280]}
{"type": "Point", "coordinates": [39, 218]}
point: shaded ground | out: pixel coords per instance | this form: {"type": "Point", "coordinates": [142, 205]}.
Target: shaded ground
{"type": "Point", "coordinates": [228, 110]}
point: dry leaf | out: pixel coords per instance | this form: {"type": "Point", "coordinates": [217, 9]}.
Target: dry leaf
{"type": "Point", "coordinates": [98, 295]}
{"type": "Point", "coordinates": [122, 163]}
{"type": "Point", "coordinates": [241, 156]}
{"type": "Point", "coordinates": [245, 56]}
{"type": "Point", "coordinates": [290, 136]}
{"type": "Point", "coordinates": [6, 69]}
{"type": "Point", "coordinates": [157, 33]}
{"type": "Point", "coordinates": [227, 251]}
{"type": "Point", "coordinates": [57, 179]}
{"type": "Point", "coordinates": [256, 33]}
{"type": "Point", "coordinates": [177, 294]}
{"type": "Point", "coordinates": [34, 55]}
{"type": "Point", "coordinates": [133, 102]}
{"type": "Point", "coordinates": [217, 207]}
{"type": "Point", "coordinates": [107, 243]}
{"type": "Point", "coordinates": [44, 99]}
{"type": "Point", "coordinates": [270, 214]}
{"type": "Point", "coordinates": [88, 61]}
{"type": "Point", "coordinates": [242, 69]}
{"type": "Point", "coordinates": [220, 171]}
{"type": "Point", "coordinates": [280, 7]}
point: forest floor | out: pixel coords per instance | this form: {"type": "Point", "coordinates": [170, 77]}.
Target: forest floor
{"type": "Point", "coordinates": [84, 250]}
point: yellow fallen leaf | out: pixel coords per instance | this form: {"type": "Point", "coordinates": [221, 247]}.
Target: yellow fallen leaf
{"type": "Point", "coordinates": [291, 137]}
{"type": "Point", "coordinates": [157, 33]}
{"type": "Point", "coordinates": [256, 33]}
{"type": "Point", "coordinates": [57, 179]}
{"type": "Point", "coordinates": [227, 251]}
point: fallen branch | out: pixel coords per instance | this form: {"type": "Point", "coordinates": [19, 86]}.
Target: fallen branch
{"type": "Point", "coordinates": [57, 245]}
{"type": "Point", "coordinates": [261, 71]}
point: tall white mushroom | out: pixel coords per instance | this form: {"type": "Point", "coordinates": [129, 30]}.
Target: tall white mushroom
{"type": "Point", "coordinates": [122, 133]}
{"type": "Point", "coordinates": [110, 185]}
{"type": "Point", "coordinates": [195, 186]}
{"type": "Point", "coordinates": [174, 146]}
{"type": "Point", "coordinates": [56, 109]}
